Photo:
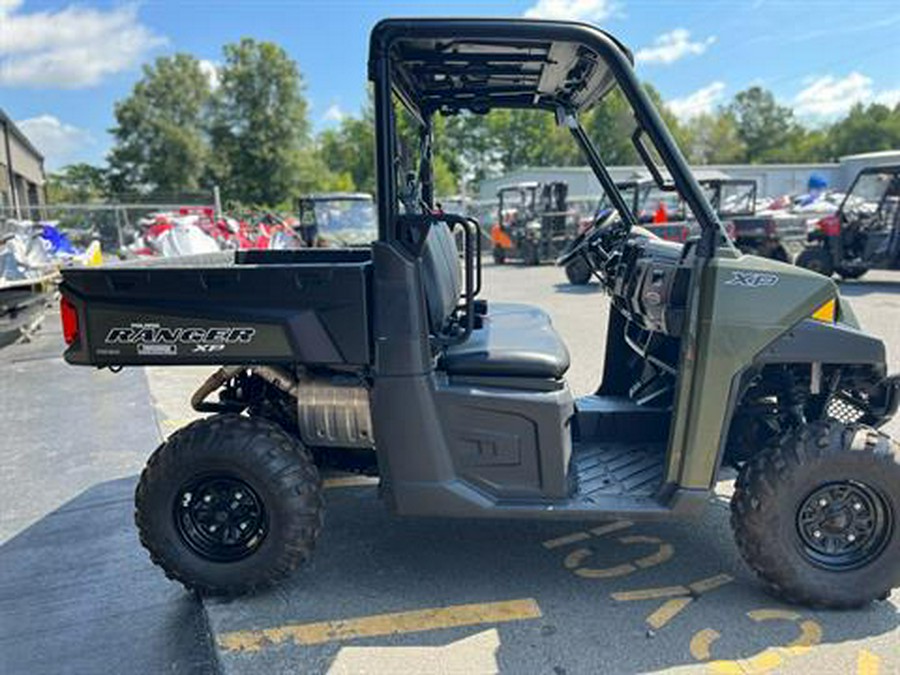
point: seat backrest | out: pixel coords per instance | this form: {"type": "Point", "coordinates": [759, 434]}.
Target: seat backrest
{"type": "Point", "coordinates": [441, 275]}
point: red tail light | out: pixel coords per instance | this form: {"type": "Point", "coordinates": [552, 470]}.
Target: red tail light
{"type": "Point", "coordinates": [69, 321]}
{"type": "Point", "coordinates": [830, 226]}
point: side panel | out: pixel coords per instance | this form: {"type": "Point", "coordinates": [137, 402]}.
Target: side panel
{"type": "Point", "coordinates": [745, 304]}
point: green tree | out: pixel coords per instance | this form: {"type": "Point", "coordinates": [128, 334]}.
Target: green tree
{"type": "Point", "coordinates": [866, 129]}
{"type": "Point", "coordinates": [713, 138]}
{"type": "Point", "coordinates": [160, 144]}
{"type": "Point", "coordinates": [260, 131]}
{"type": "Point", "coordinates": [78, 184]}
{"type": "Point", "coordinates": [762, 123]}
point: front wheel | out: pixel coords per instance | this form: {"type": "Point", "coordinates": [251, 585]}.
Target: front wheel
{"type": "Point", "coordinates": [817, 516]}
{"type": "Point", "coordinates": [578, 271]}
{"type": "Point", "coordinates": [816, 259]}
{"type": "Point", "coordinates": [229, 504]}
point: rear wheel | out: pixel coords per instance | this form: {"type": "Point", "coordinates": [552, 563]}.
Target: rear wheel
{"type": "Point", "coordinates": [229, 504]}
{"type": "Point", "coordinates": [531, 254]}
{"type": "Point", "coordinates": [816, 259]}
{"type": "Point", "coordinates": [817, 516]}
{"type": "Point", "coordinates": [578, 271]}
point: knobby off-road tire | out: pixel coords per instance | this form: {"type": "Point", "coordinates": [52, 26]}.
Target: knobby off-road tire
{"type": "Point", "coordinates": [229, 504]}
{"type": "Point", "coordinates": [816, 259]}
{"type": "Point", "coordinates": [775, 518]}
{"type": "Point", "coordinates": [578, 272]}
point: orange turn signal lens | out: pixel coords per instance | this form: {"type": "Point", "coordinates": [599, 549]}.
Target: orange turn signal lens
{"type": "Point", "coordinates": [827, 313]}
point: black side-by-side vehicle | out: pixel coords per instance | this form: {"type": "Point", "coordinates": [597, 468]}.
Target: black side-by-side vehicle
{"type": "Point", "coordinates": [864, 234]}
{"type": "Point", "coordinates": [388, 359]}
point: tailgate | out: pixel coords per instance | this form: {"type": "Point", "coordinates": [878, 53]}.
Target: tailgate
{"type": "Point", "coordinates": [212, 310]}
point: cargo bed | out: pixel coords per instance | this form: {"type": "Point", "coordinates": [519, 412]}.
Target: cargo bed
{"type": "Point", "coordinates": [308, 305]}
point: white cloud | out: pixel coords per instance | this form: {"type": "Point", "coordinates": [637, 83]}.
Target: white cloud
{"type": "Point", "coordinates": [572, 10]}
{"type": "Point", "coordinates": [829, 96]}
{"type": "Point", "coordinates": [211, 70]}
{"type": "Point", "coordinates": [700, 102]}
{"type": "Point", "coordinates": [334, 113]}
{"type": "Point", "coordinates": [58, 142]}
{"type": "Point", "coordinates": [672, 46]}
{"type": "Point", "coordinates": [70, 48]}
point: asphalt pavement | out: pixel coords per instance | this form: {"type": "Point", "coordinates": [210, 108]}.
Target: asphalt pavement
{"type": "Point", "coordinates": [384, 594]}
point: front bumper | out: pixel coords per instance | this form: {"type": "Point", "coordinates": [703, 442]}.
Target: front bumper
{"type": "Point", "coordinates": [884, 399]}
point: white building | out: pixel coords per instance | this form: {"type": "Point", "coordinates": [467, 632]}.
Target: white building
{"type": "Point", "coordinates": [22, 175]}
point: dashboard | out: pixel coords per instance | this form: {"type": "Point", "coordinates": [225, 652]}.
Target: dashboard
{"type": "Point", "coordinates": [650, 284]}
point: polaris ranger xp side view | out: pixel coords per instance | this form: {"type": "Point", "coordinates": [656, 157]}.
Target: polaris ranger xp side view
{"type": "Point", "coordinates": [386, 360]}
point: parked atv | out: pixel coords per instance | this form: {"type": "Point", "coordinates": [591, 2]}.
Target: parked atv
{"type": "Point", "coordinates": [533, 223]}
{"type": "Point", "coordinates": [337, 219]}
{"type": "Point", "coordinates": [864, 234]}
{"type": "Point", "coordinates": [384, 358]}
{"type": "Point", "coordinates": [735, 202]}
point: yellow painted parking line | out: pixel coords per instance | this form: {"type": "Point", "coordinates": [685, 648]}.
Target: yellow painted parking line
{"type": "Point", "coordinates": [768, 659]}
{"type": "Point", "coordinates": [382, 624]}
{"type": "Point", "coordinates": [665, 552]}
{"type": "Point", "coordinates": [680, 597]}
{"type": "Point", "coordinates": [701, 643]}
{"type": "Point", "coordinates": [667, 612]}
{"type": "Point", "coordinates": [651, 593]}
{"type": "Point", "coordinates": [573, 538]}
{"type": "Point", "coordinates": [867, 663]}
{"type": "Point", "coordinates": [711, 583]}
{"type": "Point", "coordinates": [349, 481]}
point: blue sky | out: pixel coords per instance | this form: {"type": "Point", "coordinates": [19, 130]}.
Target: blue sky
{"type": "Point", "coordinates": [63, 64]}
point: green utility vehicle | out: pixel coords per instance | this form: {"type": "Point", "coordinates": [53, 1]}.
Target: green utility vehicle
{"type": "Point", "coordinates": [384, 359]}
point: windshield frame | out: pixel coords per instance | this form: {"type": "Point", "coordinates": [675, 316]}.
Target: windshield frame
{"type": "Point", "coordinates": [893, 170]}
{"type": "Point", "coordinates": [390, 76]}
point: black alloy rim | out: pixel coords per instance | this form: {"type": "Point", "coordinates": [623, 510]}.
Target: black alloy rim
{"type": "Point", "coordinates": [220, 517]}
{"type": "Point", "coordinates": [843, 525]}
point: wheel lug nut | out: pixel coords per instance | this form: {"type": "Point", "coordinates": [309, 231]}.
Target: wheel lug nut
{"type": "Point", "coordinates": [207, 499]}
{"type": "Point", "coordinates": [213, 528]}
{"type": "Point", "coordinates": [823, 502]}
{"type": "Point", "coordinates": [857, 506]}
{"type": "Point", "coordinates": [243, 526]}
{"type": "Point", "coordinates": [238, 494]}
{"type": "Point", "coordinates": [851, 538]}
{"type": "Point", "coordinates": [817, 534]}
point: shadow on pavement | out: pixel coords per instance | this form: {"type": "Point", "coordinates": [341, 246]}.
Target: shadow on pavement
{"type": "Point", "coordinates": [572, 289]}
{"type": "Point", "coordinates": [369, 563]}
{"type": "Point", "coordinates": [78, 594]}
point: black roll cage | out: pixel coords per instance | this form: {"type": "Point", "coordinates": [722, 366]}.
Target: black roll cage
{"type": "Point", "coordinates": [388, 81]}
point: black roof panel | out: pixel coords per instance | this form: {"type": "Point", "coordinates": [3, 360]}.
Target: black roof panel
{"type": "Point", "coordinates": [480, 64]}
